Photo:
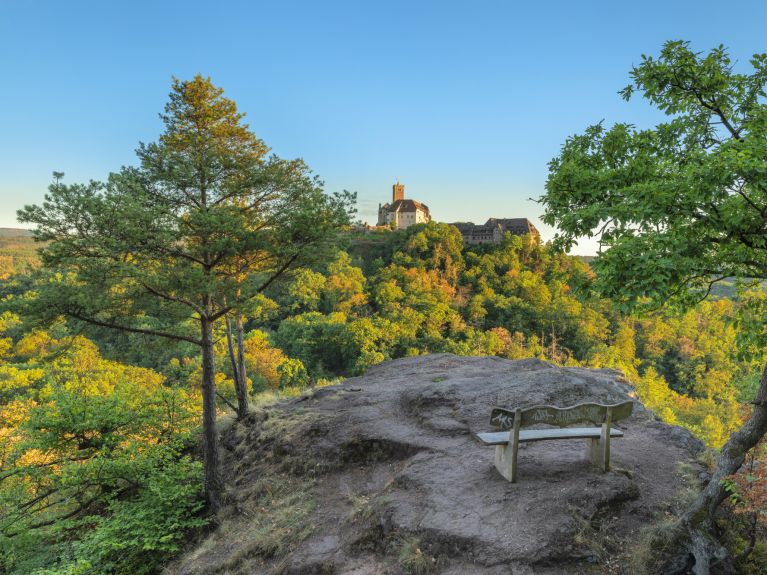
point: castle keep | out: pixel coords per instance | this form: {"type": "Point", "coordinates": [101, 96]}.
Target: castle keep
{"type": "Point", "coordinates": [402, 213]}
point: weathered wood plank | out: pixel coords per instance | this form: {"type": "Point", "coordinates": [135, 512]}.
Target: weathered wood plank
{"type": "Point", "coordinates": [595, 413]}
{"type": "Point", "coordinates": [502, 437]}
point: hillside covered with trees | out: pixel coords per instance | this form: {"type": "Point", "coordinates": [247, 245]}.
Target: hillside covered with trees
{"type": "Point", "coordinates": [214, 277]}
{"type": "Point", "coordinates": [17, 251]}
{"type": "Point", "coordinates": [100, 459]}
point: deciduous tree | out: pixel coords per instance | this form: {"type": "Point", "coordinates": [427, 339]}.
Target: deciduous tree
{"type": "Point", "coordinates": [678, 208]}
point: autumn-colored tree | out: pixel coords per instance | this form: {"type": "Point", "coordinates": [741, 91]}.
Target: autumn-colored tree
{"type": "Point", "coordinates": [95, 471]}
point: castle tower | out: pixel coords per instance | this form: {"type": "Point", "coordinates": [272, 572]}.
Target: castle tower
{"type": "Point", "coordinates": [397, 192]}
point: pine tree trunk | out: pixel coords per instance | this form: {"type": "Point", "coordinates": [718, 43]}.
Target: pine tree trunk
{"type": "Point", "coordinates": [242, 395]}
{"type": "Point", "coordinates": [238, 365]}
{"type": "Point", "coordinates": [697, 546]}
{"type": "Point", "coordinates": [213, 481]}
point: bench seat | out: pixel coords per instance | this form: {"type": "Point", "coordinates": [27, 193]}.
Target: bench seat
{"type": "Point", "coordinates": [503, 437]}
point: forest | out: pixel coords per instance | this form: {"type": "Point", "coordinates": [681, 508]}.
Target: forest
{"type": "Point", "coordinates": [100, 457]}
{"type": "Point", "coordinates": [214, 277]}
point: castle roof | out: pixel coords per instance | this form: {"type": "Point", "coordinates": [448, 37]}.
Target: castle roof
{"type": "Point", "coordinates": [406, 206]}
{"type": "Point", "coordinates": [464, 227]}
{"type": "Point", "coordinates": [519, 226]}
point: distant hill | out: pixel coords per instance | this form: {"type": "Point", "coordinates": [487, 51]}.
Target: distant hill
{"type": "Point", "coordinates": [17, 250]}
{"type": "Point", "coordinates": [15, 233]}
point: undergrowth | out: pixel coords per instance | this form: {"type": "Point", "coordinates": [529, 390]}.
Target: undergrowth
{"type": "Point", "coordinates": [657, 540]}
{"type": "Point", "coordinates": [413, 560]}
{"type": "Point", "coordinates": [268, 522]}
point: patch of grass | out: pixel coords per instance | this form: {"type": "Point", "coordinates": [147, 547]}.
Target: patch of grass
{"type": "Point", "coordinates": [439, 378]}
{"type": "Point", "coordinates": [273, 521]}
{"type": "Point", "coordinates": [625, 472]}
{"type": "Point", "coordinates": [286, 435]}
{"type": "Point", "coordinates": [362, 507]}
{"type": "Point", "coordinates": [286, 425]}
{"type": "Point", "coordinates": [226, 422]}
{"type": "Point", "coordinates": [653, 543]}
{"type": "Point", "coordinates": [329, 382]}
{"type": "Point", "coordinates": [690, 487]}
{"type": "Point", "coordinates": [365, 507]}
{"type": "Point", "coordinates": [265, 399]}
{"type": "Point", "coordinates": [591, 534]}
{"type": "Point", "coordinates": [269, 397]}
{"type": "Point", "coordinates": [293, 391]}
{"type": "Point", "coordinates": [268, 521]}
{"type": "Point", "coordinates": [605, 551]}
{"type": "Point", "coordinates": [588, 537]}
{"type": "Point", "coordinates": [414, 560]}
{"type": "Point", "coordinates": [708, 458]}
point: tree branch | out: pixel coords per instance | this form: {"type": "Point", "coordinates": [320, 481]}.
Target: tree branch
{"type": "Point", "coordinates": [226, 401]}
{"type": "Point", "coordinates": [172, 298]}
{"type": "Point", "coordinates": [117, 326]}
{"type": "Point", "coordinates": [226, 309]}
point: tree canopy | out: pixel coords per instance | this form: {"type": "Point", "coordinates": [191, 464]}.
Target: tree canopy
{"type": "Point", "coordinates": [677, 206]}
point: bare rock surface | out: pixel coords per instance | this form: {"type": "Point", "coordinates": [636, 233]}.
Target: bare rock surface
{"type": "Point", "coordinates": [388, 478]}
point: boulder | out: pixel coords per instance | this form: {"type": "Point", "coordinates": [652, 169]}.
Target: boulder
{"type": "Point", "coordinates": [382, 474]}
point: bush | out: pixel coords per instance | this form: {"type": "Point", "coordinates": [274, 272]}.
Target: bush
{"type": "Point", "coordinates": [293, 374]}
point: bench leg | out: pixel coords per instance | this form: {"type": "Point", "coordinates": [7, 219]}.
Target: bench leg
{"type": "Point", "coordinates": [595, 452]}
{"type": "Point", "coordinates": [506, 461]}
{"type": "Point", "coordinates": [506, 455]}
{"type": "Point", "coordinates": [598, 451]}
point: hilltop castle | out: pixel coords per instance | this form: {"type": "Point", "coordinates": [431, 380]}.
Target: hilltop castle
{"type": "Point", "coordinates": [494, 229]}
{"type": "Point", "coordinates": [402, 213]}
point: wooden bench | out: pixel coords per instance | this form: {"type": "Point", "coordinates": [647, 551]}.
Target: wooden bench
{"type": "Point", "coordinates": [511, 435]}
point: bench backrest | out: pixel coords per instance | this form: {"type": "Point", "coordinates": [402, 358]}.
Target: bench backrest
{"type": "Point", "coordinates": [595, 413]}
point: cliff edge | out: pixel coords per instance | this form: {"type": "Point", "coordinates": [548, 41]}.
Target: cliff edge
{"type": "Point", "coordinates": [382, 475]}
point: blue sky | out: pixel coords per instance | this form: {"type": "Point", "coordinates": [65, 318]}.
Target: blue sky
{"type": "Point", "coordinates": [464, 102]}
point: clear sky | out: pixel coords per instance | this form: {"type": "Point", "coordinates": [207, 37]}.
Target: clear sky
{"type": "Point", "coordinates": [464, 102]}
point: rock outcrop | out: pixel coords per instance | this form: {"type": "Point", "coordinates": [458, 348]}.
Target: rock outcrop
{"type": "Point", "coordinates": [382, 474]}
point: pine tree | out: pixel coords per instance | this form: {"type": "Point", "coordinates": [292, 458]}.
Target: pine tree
{"type": "Point", "coordinates": [205, 223]}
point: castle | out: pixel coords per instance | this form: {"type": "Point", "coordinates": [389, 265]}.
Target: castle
{"type": "Point", "coordinates": [494, 229]}
{"type": "Point", "coordinates": [402, 213]}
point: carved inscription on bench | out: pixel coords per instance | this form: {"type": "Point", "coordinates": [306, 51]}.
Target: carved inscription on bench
{"type": "Point", "coordinates": [562, 417]}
